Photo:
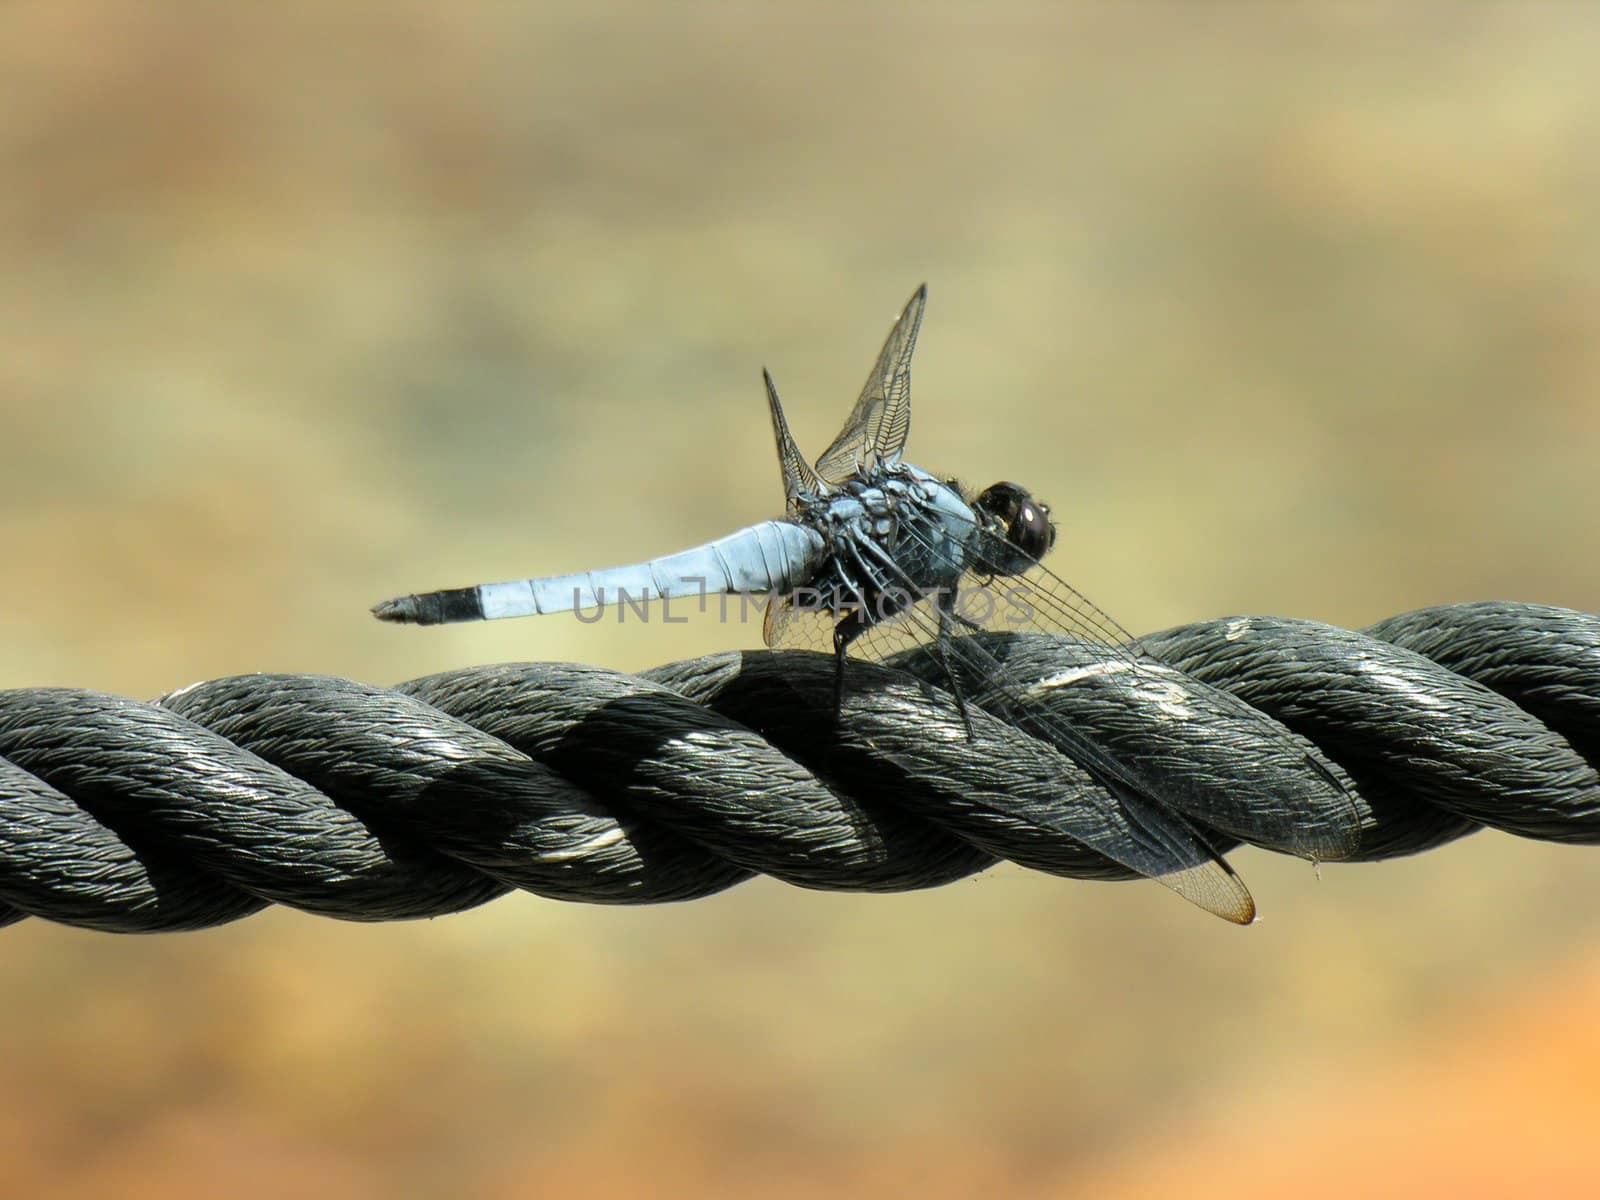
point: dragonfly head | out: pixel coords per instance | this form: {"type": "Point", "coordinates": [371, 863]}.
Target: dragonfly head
{"type": "Point", "coordinates": [1021, 525]}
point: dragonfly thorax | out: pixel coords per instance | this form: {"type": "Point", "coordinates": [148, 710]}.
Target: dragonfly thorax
{"type": "Point", "coordinates": [894, 534]}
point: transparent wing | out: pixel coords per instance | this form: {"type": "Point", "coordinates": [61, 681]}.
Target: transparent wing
{"type": "Point", "coordinates": [786, 625]}
{"type": "Point", "coordinates": [878, 426]}
{"type": "Point", "coordinates": [1113, 820]}
{"type": "Point", "coordinates": [1036, 652]}
{"type": "Point", "coordinates": [798, 477]}
{"type": "Point", "coordinates": [789, 625]}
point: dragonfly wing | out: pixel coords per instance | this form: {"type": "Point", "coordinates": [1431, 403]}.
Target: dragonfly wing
{"type": "Point", "coordinates": [798, 477]}
{"type": "Point", "coordinates": [788, 625]}
{"type": "Point", "coordinates": [1114, 819]}
{"type": "Point", "coordinates": [1036, 652]}
{"type": "Point", "coordinates": [878, 426]}
{"type": "Point", "coordinates": [1095, 810]}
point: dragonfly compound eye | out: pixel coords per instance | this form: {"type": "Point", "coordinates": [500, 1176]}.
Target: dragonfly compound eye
{"type": "Point", "coordinates": [1022, 521]}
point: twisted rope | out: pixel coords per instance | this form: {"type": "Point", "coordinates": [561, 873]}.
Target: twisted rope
{"type": "Point", "coordinates": [577, 783]}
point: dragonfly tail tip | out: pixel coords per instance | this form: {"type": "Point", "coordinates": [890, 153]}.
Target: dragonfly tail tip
{"type": "Point", "coordinates": [401, 610]}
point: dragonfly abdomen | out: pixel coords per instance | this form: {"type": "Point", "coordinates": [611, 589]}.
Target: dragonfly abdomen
{"type": "Point", "coordinates": [774, 556]}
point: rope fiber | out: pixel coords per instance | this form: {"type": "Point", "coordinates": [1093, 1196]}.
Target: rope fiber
{"type": "Point", "coordinates": [577, 783]}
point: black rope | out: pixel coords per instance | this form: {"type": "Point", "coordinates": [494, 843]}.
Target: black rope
{"type": "Point", "coordinates": [577, 783]}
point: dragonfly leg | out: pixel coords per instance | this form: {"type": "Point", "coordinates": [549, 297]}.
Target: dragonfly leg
{"type": "Point", "coordinates": [845, 632]}
{"type": "Point", "coordinates": [949, 616]}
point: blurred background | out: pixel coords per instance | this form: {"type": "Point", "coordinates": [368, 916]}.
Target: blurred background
{"type": "Point", "coordinates": [1290, 312]}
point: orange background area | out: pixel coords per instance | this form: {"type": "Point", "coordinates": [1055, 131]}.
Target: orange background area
{"type": "Point", "coordinates": [1288, 310]}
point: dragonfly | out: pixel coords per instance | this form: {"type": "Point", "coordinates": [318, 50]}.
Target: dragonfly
{"type": "Point", "coordinates": [891, 562]}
